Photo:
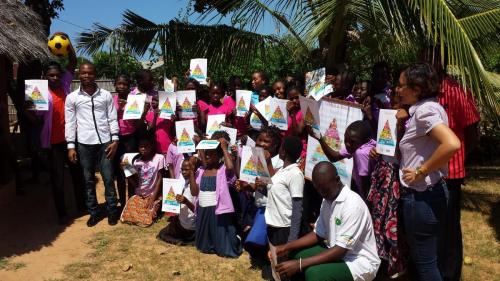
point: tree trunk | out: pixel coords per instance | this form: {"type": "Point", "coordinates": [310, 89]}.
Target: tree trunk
{"type": "Point", "coordinates": [335, 41]}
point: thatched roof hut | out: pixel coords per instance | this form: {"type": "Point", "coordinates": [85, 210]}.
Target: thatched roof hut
{"type": "Point", "coordinates": [21, 32]}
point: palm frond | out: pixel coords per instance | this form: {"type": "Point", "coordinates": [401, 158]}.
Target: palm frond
{"type": "Point", "coordinates": [444, 28]}
{"type": "Point", "coordinates": [481, 24]}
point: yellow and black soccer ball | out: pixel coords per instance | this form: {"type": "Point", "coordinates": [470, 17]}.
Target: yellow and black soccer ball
{"type": "Point", "coordinates": [59, 45]}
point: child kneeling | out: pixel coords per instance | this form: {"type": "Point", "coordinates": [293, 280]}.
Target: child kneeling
{"type": "Point", "coordinates": [181, 229]}
{"type": "Point", "coordinates": [142, 208]}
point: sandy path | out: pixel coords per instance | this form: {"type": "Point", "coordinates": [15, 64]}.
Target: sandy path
{"type": "Point", "coordinates": [29, 234]}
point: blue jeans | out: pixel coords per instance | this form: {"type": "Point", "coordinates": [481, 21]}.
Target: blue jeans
{"type": "Point", "coordinates": [424, 222]}
{"type": "Point", "coordinates": [90, 157]}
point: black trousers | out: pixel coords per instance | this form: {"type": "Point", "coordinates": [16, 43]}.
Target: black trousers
{"type": "Point", "coordinates": [453, 256]}
{"type": "Point", "coordinates": [278, 236]}
{"type": "Point", "coordinates": [58, 158]}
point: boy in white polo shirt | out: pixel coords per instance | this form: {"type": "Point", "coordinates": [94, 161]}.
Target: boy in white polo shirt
{"type": "Point", "coordinates": [345, 225]}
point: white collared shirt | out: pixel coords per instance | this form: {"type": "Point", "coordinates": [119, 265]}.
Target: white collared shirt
{"type": "Point", "coordinates": [346, 222]}
{"type": "Point", "coordinates": [90, 118]}
{"type": "Point", "coordinates": [287, 183]}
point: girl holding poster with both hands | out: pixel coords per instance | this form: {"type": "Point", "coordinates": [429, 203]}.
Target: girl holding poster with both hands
{"type": "Point", "coordinates": [215, 224]}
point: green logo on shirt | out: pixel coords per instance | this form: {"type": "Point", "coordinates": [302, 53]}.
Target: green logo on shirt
{"type": "Point", "coordinates": [338, 221]}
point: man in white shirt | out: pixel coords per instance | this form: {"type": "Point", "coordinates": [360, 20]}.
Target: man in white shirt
{"type": "Point", "coordinates": [91, 121]}
{"type": "Point", "coordinates": [345, 225]}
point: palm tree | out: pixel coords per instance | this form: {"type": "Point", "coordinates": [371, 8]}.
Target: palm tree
{"type": "Point", "coordinates": [176, 41]}
{"type": "Point", "coordinates": [466, 30]}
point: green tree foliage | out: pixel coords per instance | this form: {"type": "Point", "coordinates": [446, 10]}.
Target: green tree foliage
{"type": "Point", "coordinates": [109, 65]}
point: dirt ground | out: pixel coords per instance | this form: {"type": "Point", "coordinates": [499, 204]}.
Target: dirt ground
{"type": "Point", "coordinates": [33, 246]}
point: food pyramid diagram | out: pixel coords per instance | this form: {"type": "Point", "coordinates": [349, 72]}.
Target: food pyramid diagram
{"type": "Point", "coordinates": [36, 97]}
{"type": "Point", "coordinates": [254, 167]}
{"type": "Point", "coordinates": [385, 137]}
{"type": "Point", "coordinates": [278, 116]}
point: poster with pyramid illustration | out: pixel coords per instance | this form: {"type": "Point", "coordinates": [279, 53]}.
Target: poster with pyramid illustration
{"type": "Point", "coordinates": [213, 123]}
{"type": "Point", "coordinates": [167, 102]}
{"type": "Point", "coordinates": [171, 188]}
{"type": "Point", "coordinates": [386, 132]}
{"type": "Point", "coordinates": [315, 83]}
{"type": "Point", "coordinates": [198, 70]}
{"type": "Point", "coordinates": [243, 98]}
{"type": "Point", "coordinates": [37, 92]}
{"type": "Point", "coordinates": [185, 131]}
{"type": "Point", "coordinates": [253, 165]}
{"type": "Point", "coordinates": [168, 85]}
{"type": "Point", "coordinates": [186, 100]}
{"type": "Point", "coordinates": [134, 107]}
{"type": "Point", "coordinates": [310, 112]}
{"type": "Point", "coordinates": [334, 118]}
{"type": "Point", "coordinates": [314, 155]}
{"type": "Point", "coordinates": [279, 114]}
{"type": "Point", "coordinates": [264, 108]}
{"type": "Point", "coordinates": [207, 144]}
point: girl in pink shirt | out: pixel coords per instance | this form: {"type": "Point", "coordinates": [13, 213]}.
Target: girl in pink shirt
{"type": "Point", "coordinates": [295, 119]}
{"type": "Point", "coordinates": [215, 106]}
{"type": "Point", "coordinates": [162, 127]}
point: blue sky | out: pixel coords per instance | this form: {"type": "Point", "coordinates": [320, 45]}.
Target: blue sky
{"type": "Point", "coordinates": [79, 15]}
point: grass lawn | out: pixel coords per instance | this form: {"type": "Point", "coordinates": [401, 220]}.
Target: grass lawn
{"type": "Point", "coordinates": [133, 253]}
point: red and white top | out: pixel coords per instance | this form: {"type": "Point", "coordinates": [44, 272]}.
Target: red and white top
{"type": "Point", "coordinates": [462, 112]}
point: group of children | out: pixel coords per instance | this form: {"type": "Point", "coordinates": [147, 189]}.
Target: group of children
{"type": "Point", "coordinates": [221, 214]}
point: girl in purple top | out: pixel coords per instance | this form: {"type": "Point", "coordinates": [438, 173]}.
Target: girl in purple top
{"type": "Point", "coordinates": [426, 147]}
{"type": "Point", "coordinates": [358, 143]}
{"type": "Point", "coordinates": [215, 223]}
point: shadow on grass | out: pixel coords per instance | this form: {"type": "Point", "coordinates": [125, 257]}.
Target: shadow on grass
{"type": "Point", "coordinates": [482, 201]}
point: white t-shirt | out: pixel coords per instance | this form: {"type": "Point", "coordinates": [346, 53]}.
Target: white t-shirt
{"type": "Point", "coordinates": [287, 183]}
{"type": "Point", "coordinates": [347, 223]}
{"type": "Point", "coordinates": [261, 199]}
{"type": "Point", "coordinates": [186, 217]}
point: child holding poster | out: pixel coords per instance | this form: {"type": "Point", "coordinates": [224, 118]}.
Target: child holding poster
{"type": "Point", "coordinates": [142, 208]}
{"type": "Point", "coordinates": [181, 229]}
{"type": "Point", "coordinates": [162, 128]}
{"type": "Point", "coordinates": [358, 144]}
{"type": "Point", "coordinates": [215, 104]}
{"type": "Point", "coordinates": [215, 223]}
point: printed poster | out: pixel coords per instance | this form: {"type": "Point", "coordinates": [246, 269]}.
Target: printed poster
{"type": "Point", "coordinates": [198, 70]}
{"type": "Point", "coordinates": [334, 119]}
{"type": "Point", "coordinates": [37, 91]}
{"type": "Point", "coordinates": [386, 132]}
{"type": "Point", "coordinates": [250, 142]}
{"type": "Point", "coordinates": [314, 155]}
{"type": "Point", "coordinates": [134, 107]}
{"type": "Point", "coordinates": [185, 132]}
{"type": "Point", "coordinates": [213, 123]}
{"type": "Point", "coordinates": [168, 85]}
{"type": "Point", "coordinates": [243, 98]}
{"type": "Point", "coordinates": [128, 168]}
{"type": "Point", "coordinates": [279, 114]}
{"type": "Point", "coordinates": [253, 164]}
{"type": "Point", "coordinates": [207, 144]}
{"type": "Point", "coordinates": [171, 187]}
{"type": "Point", "coordinates": [310, 112]}
{"type": "Point", "coordinates": [167, 102]}
{"type": "Point", "coordinates": [232, 132]}
{"type": "Point", "coordinates": [315, 83]}
{"type": "Point", "coordinates": [186, 100]}
{"type": "Point", "coordinates": [264, 107]}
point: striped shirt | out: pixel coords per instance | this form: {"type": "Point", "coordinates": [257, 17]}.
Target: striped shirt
{"type": "Point", "coordinates": [462, 112]}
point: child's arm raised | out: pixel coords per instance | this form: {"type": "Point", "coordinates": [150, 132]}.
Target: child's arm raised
{"type": "Point", "coordinates": [262, 119]}
{"type": "Point", "coordinates": [193, 186]}
{"type": "Point", "coordinates": [330, 153]}
{"type": "Point", "coordinates": [228, 159]}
